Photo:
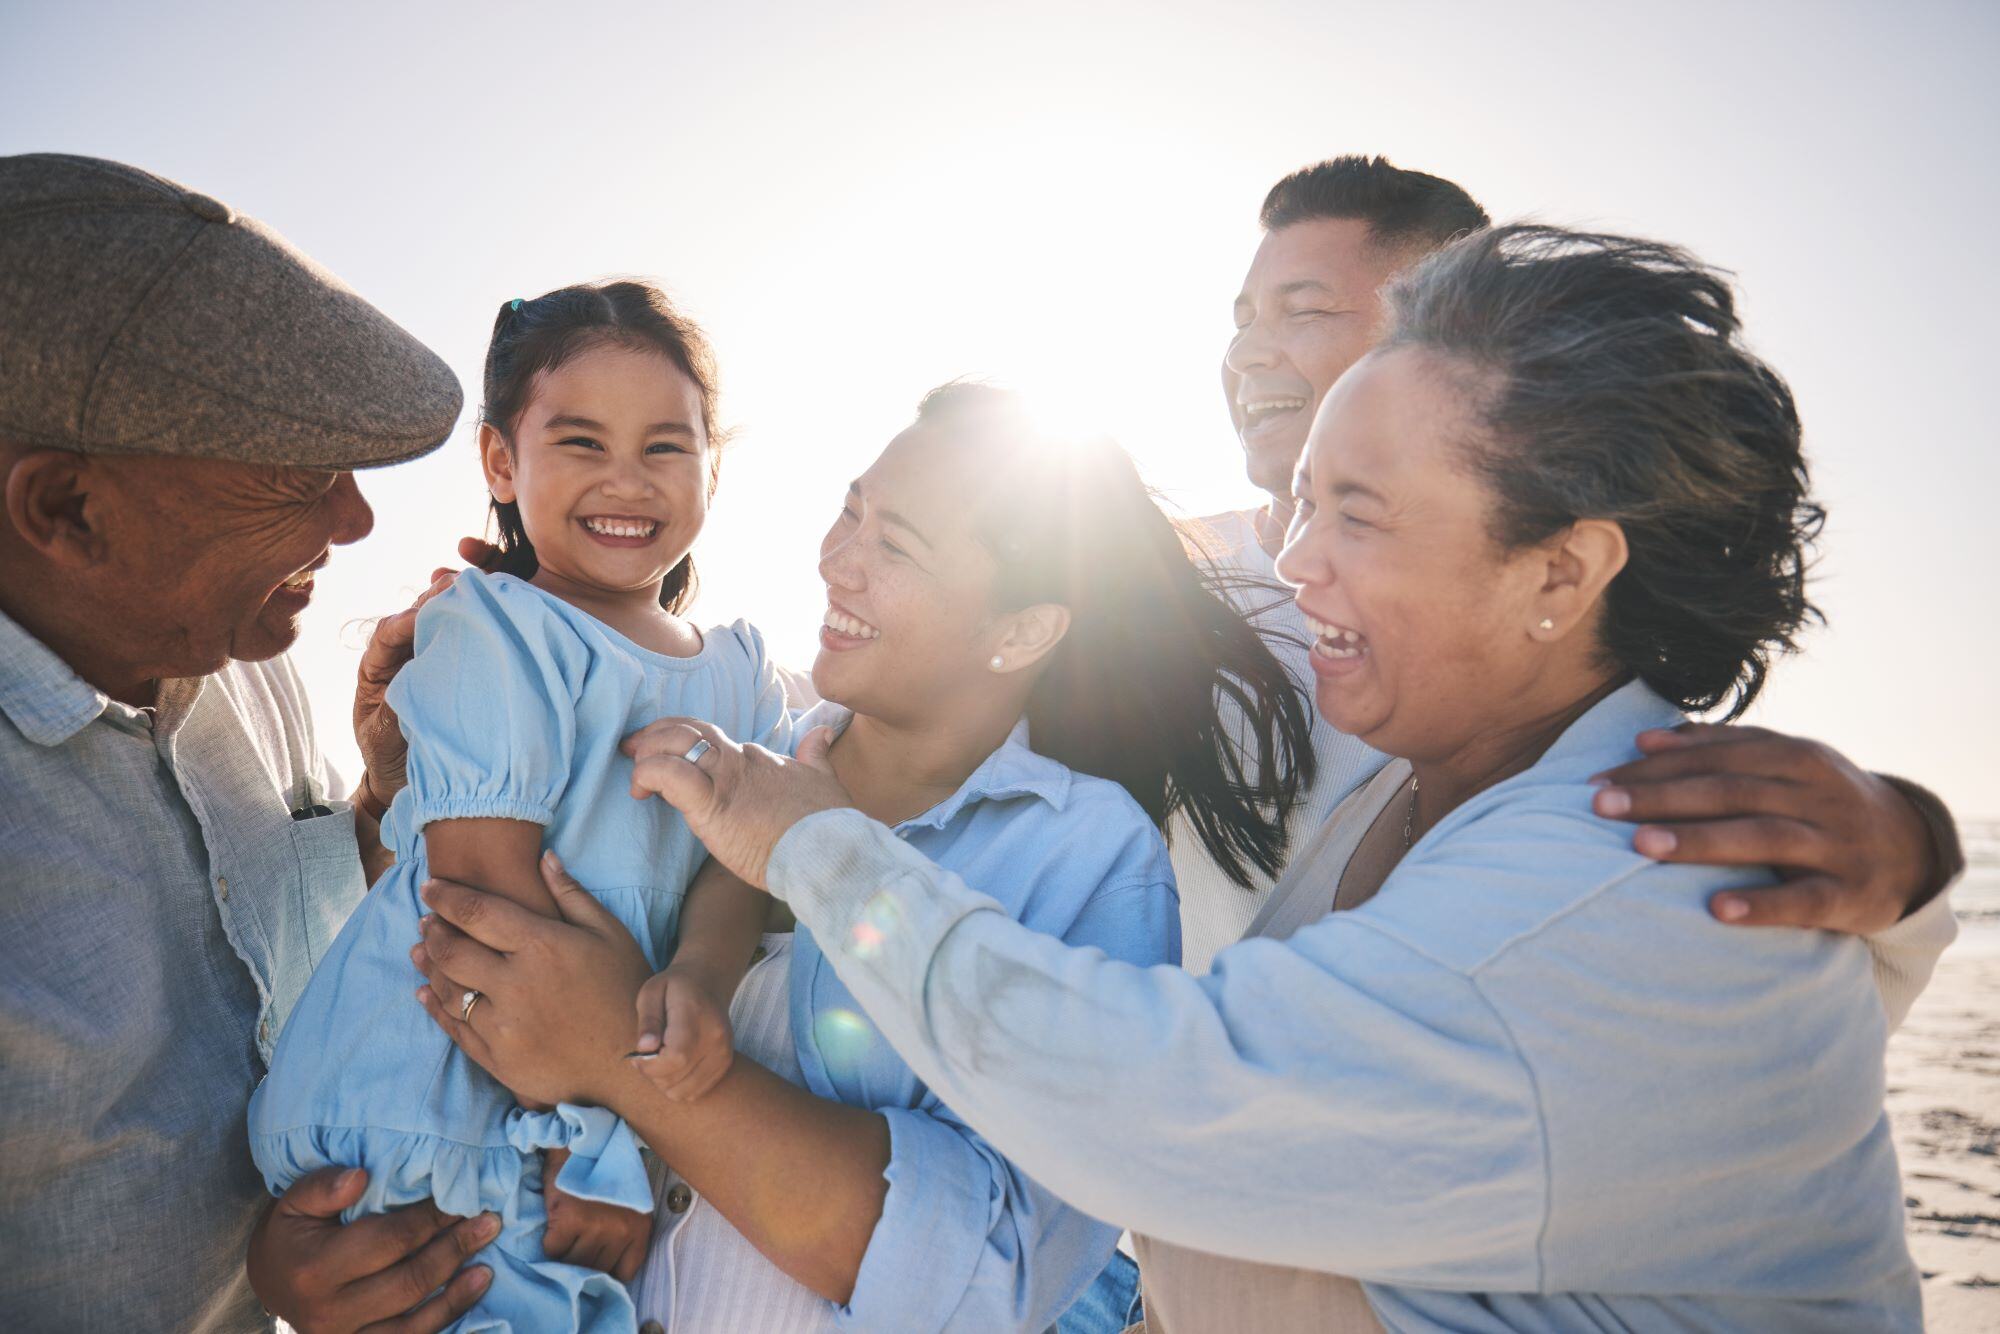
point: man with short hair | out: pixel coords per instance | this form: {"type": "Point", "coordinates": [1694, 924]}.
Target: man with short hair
{"type": "Point", "coordinates": [183, 400]}
{"type": "Point", "coordinates": [1860, 849]}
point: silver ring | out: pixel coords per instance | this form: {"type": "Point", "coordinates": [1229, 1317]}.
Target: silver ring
{"type": "Point", "coordinates": [697, 750]}
{"type": "Point", "coordinates": [465, 1004]}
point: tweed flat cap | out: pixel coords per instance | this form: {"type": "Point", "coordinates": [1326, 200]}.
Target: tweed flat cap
{"type": "Point", "coordinates": [138, 317]}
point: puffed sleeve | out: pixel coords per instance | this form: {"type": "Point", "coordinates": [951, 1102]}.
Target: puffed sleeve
{"type": "Point", "coordinates": [967, 1240]}
{"type": "Point", "coordinates": [770, 716]}
{"type": "Point", "coordinates": [488, 704]}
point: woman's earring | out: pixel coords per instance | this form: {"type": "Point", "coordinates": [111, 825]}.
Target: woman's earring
{"type": "Point", "coordinates": [997, 662]}
{"type": "Point", "coordinates": [1546, 624]}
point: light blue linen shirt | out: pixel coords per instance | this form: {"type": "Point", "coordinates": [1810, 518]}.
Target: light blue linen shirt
{"type": "Point", "coordinates": [1532, 1084]}
{"type": "Point", "coordinates": [967, 1240]}
{"type": "Point", "coordinates": [514, 707]}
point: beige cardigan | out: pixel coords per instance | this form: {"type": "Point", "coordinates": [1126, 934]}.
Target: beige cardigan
{"type": "Point", "coordinates": [1192, 1291]}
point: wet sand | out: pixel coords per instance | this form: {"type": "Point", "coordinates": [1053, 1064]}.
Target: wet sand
{"type": "Point", "coordinates": [1944, 1103]}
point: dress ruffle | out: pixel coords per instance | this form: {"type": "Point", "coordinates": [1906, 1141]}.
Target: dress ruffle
{"type": "Point", "coordinates": [530, 1294]}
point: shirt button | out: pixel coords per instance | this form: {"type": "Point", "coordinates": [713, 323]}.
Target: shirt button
{"type": "Point", "coordinates": [222, 887]}
{"type": "Point", "coordinates": [652, 1327]}
{"type": "Point", "coordinates": [679, 1197]}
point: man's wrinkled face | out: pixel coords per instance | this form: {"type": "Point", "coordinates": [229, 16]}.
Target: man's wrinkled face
{"type": "Point", "coordinates": [1309, 309]}
{"type": "Point", "coordinates": [207, 561]}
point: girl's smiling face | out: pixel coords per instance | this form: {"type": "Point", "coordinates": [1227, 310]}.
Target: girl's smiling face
{"type": "Point", "coordinates": [610, 465]}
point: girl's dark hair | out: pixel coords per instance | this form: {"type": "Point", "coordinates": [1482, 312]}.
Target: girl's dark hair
{"type": "Point", "coordinates": [1611, 382]}
{"type": "Point", "coordinates": [533, 336]}
{"type": "Point", "coordinates": [1135, 691]}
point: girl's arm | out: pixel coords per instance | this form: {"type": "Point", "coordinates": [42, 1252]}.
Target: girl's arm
{"type": "Point", "coordinates": [499, 856]}
{"type": "Point", "coordinates": [502, 856]}
{"type": "Point", "coordinates": [683, 1021]}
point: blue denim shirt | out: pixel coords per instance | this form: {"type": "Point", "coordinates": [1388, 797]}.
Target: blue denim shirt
{"type": "Point", "coordinates": [1532, 1084]}
{"type": "Point", "coordinates": [162, 913]}
{"type": "Point", "coordinates": [967, 1240]}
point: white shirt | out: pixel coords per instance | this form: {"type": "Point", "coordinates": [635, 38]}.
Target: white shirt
{"type": "Point", "coordinates": [702, 1276]}
{"type": "Point", "coordinates": [1215, 910]}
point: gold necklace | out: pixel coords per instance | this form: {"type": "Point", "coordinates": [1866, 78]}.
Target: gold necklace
{"type": "Point", "coordinates": [1410, 815]}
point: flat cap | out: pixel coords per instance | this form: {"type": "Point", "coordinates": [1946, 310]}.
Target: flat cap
{"type": "Point", "coordinates": [139, 317]}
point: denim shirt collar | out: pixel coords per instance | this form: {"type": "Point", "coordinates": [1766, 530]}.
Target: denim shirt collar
{"type": "Point", "coordinates": [1012, 770]}
{"type": "Point", "coordinates": [39, 693]}
{"type": "Point", "coordinates": [1606, 729]}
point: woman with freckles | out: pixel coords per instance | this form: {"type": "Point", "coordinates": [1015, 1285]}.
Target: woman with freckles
{"type": "Point", "coordinates": [1481, 1065]}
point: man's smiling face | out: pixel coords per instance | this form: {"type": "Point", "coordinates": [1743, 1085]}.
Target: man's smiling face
{"type": "Point", "coordinates": [1308, 310]}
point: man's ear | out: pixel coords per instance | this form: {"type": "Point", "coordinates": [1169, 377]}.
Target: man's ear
{"type": "Point", "coordinates": [1031, 635]}
{"type": "Point", "coordinates": [496, 456]}
{"type": "Point", "coordinates": [56, 505]}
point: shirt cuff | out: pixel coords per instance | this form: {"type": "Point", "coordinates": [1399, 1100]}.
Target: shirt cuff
{"type": "Point", "coordinates": [1948, 856]}
{"type": "Point", "coordinates": [927, 1245]}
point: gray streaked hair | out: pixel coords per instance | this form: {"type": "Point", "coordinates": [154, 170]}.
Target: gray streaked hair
{"type": "Point", "coordinates": [1609, 380]}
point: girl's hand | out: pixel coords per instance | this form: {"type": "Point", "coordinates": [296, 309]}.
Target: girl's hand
{"type": "Point", "coordinates": [685, 1045]}
{"type": "Point", "coordinates": [554, 1017]}
{"type": "Point", "coordinates": [585, 1232]}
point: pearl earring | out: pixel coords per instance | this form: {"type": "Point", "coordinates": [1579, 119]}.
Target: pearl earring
{"type": "Point", "coordinates": [997, 662]}
{"type": "Point", "coordinates": [1546, 624]}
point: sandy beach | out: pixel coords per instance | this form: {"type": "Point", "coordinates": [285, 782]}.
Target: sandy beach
{"type": "Point", "coordinates": [1944, 1100]}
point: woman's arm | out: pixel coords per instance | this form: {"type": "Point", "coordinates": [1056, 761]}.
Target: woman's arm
{"type": "Point", "coordinates": [889, 1213]}
{"type": "Point", "coordinates": [800, 1177]}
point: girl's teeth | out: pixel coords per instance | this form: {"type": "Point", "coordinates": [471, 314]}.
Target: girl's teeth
{"type": "Point", "coordinates": [302, 579]}
{"type": "Point", "coordinates": [610, 528]}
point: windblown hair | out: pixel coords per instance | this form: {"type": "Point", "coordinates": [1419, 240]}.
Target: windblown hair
{"type": "Point", "coordinates": [1403, 209]}
{"type": "Point", "coordinates": [531, 337]}
{"type": "Point", "coordinates": [1611, 381]}
{"type": "Point", "coordinates": [1134, 692]}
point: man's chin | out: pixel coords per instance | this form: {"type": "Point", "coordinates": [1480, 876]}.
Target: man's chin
{"type": "Point", "coordinates": [1271, 463]}
{"type": "Point", "coordinates": [272, 633]}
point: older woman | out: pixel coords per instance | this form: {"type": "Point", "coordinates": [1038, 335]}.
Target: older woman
{"type": "Point", "coordinates": [1519, 1077]}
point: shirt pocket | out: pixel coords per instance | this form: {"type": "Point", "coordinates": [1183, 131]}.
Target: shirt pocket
{"type": "Point", "coordinates": [331, 881]}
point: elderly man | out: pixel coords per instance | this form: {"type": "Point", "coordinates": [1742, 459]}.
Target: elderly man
{"type": "Point", "coordinates": [1861, 849]}
{"type": "Point", "coordinates": [183, 398]}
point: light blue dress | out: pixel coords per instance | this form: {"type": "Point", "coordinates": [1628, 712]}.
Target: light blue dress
{"type": "Point", "coordinates": [514, 707]}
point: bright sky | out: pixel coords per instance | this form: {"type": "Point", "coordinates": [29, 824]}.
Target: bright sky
{"type": "Point", "coordinates": [860, 201]}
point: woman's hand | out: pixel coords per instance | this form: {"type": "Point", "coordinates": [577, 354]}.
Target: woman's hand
{"type": "Point", "coordinates": [1853, 853]}
{"type": "Point", "coordinates": [379, 1273]}
{"type": "Point", "coordinates": [684, 1044]}
{"type": "Point", "coordinates": [556, 998]}
{"type": "Point", "coordinates": [738, 800]}
{"type": "Point", "coordinates": [589, 1233]}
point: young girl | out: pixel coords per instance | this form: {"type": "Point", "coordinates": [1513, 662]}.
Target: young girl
{"type": "Point", "coordinates": [598, 440]}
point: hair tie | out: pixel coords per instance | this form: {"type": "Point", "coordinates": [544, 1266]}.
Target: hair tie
{"type": "Point", "coordinates": [515, 305]}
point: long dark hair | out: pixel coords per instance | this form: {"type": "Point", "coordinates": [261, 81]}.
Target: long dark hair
{"type": "Point", "coordinates": [1135, 691]}
{"type": "Point", "coordinates": [1611, 381]}
{"type": "Point", "coordinates": [533, 336]}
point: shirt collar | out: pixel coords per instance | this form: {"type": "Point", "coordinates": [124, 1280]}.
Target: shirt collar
{"type": "Point", "coordinates": [1012, 770]}
{"type": "Point", "coordinates": [1610, 724]}
{"type": "Point", "coordinates": [39, 693]}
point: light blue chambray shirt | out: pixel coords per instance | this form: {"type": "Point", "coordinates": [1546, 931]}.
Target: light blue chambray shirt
{"type": "Point", "coordinates": [1532, 1084]}
{"type": "Point", "coordinates": [967, 1240]}
{"type": "Point", "coordinates": [160, 914]}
